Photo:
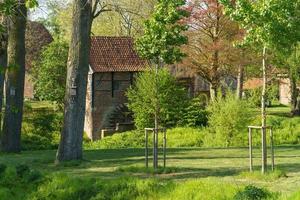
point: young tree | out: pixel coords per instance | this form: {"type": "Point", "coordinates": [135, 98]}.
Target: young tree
{"type": "Point", "coordinates": [273, 24]}
{"type": "Point", "coordinates": [162, 39]}
{"type": "Point", "coordinates": [50, 72]}
{"type": "Point", "coordinates": [172, 99]}
{"type": "Point", "coordinates": [14, 83]}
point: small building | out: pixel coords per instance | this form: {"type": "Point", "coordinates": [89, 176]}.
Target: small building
{"type": "Point", "coordinates": [113, 66]}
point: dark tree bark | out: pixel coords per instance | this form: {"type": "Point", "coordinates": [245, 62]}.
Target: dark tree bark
{"type": "Point", "coordinates": [14, 82]}
{"type": "Point", "coordinates": [70, 147]}
{"type": "Point", "coordinates": [3, 63]}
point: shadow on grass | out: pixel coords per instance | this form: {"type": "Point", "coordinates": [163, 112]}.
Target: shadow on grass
{"type": "Point", "coordinates": [105, 163]}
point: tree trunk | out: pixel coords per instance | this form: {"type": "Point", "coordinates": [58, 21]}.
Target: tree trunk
{"type": "Point", "coordinates": [3, 65]}
{"type": "Point", "coordinates": [240, 82]}
{"type": "Point", "coordinates": [14, 82]}
{"type": "Point", "coordinates": [264, 114]}
{"type": "Point", "coordinates": [213, 91]}
{"type": "Point", "coordinates": [70, 147]}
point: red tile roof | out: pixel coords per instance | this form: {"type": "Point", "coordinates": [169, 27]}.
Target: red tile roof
{"type": "Point", "coordinates": [253, 83]}
{"type": "Point", "coordinates": [115, 54]}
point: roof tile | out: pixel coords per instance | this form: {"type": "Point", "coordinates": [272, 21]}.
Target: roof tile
{"type": "Point", "coordinates": [115, 54]}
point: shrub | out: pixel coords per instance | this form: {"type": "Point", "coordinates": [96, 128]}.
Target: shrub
{"type": "Point", "coordinates": [251, 192]}
{"type": "Point", "coordinates": [22, 170]}
{"type": "Point", "coordinates": [228, 119]}
{"type": "Point", "coordinates": [254, 95]}
{"type": "Point", "coordinates": [63, 187]}
{"type": "Point", "coordinates": [40, 128]}
{"type": "Point", "coordinates": [18, 182]}
{"type": "Point", "coordinates": [176, 137]}
{"type": "Point", "coordinates": [163, 97]}
{"type": "Point", "coordinates": [2, 168]}
{"type": "Point", "coordinates": [195, 114]}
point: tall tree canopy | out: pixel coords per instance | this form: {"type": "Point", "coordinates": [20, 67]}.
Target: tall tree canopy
{"type": "Point", "coordinates": [211, 37]}
{"type": "Point", "coordinates": [273, 24]}
{"type": "Point", "coordinates": [163, 33]}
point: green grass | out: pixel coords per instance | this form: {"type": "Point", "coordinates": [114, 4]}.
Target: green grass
{"type": "Point", "coordinates": [186, 164]}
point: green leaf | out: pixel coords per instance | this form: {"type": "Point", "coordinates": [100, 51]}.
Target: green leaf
{"type": "Point", "coordinates": [31, 3]}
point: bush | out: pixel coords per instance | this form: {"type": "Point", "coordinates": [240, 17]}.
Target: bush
{"type": "Point", "coordinates": [254, 95]}
{"type": "Point", "coordinates": [195, 114]}
{"type": "Point", "coordinates": [18, 182]}
{"type": "Point", "coordinates": [62, 187]}
{"type": "Point", "coordinates": [228, 119]}
{"type": "Point", "coordinates": [251, 192]}
{"type": "Point", "coordinates": [2, 168]}
{"type": "Point", "coordinates": [176, 137]}
{"type": "Point", "coordinates": [163, 96]}
{"type": "Point", "coordinates": [41, 128]}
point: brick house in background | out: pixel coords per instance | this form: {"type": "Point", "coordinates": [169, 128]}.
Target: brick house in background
{"type": "Point", "coordinates": [36, 38]}
{"type": "Point", "coordinates": [281, 81]}
{"type": "Point", "coordinates": [113, 66]}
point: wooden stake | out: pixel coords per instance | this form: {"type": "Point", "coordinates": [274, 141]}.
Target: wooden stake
{"type": "Point", "coordinates": [272, 149]}
{"type": "Point", "coordinates": [264, 151]}
{"type": "Point", "coordinates": [146, 148]}
{"type": "Point", "coordinates": [165, 147]}
{"type": "Point", "coordinates": [250, 150]}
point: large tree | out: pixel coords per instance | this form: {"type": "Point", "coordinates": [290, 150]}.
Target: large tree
{"type": "Point", "coordinates": [14, 82]}
{"type": "Point", "coordinates": [3, 59]}
{"type": "Point", "coordinates": [70, 147]}
{"type": "Point", "coordinates": [272, 24]}
{"type": "Point", "coordinates": [211, 37]}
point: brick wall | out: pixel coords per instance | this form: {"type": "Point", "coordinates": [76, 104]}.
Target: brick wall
{"type": "Point", "coordinates": [106, 94]}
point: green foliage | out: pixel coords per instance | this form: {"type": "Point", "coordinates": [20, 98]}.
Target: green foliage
{"type": "Point", "coordinates": [2, 168]}
{"type": "Point", "coordinates": [163, 33]}
{"type": "Point", "coordinates": [251, 192]}
{"type": "Point", "coordinates": [254, 95]}
{"type": "Point", "coordinates": [207, 189]}
{"type": "Point", "coordinates": [195, 114]}
{"type": "Point", "coordinates": [40, 127]}
{"type": "Point", "coordinates": [31, 3]}
{"type": "Point", "coordinates": [7, 7]}
{"type": "Point", "coordinates": [176, 137]}
{"type": "Point", "coordinates": [50, 72]}
{"type": "Point", "coordinates": [228, 119]}
{"type": "Point", "coordinates": [274, 23]}
{"type": "Point", "coordinates": [63, 187]}
{"type": "Point", "coordinates": [18, 182]}
{"type": "Point", "coordinates": [156, 93]}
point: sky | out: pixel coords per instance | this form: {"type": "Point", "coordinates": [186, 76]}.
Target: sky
{"type": "Point", "coordinates": [42, 10]}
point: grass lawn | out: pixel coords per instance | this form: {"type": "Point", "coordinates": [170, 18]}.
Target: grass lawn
{"type": "Point", "coordinates": [221, 164]}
